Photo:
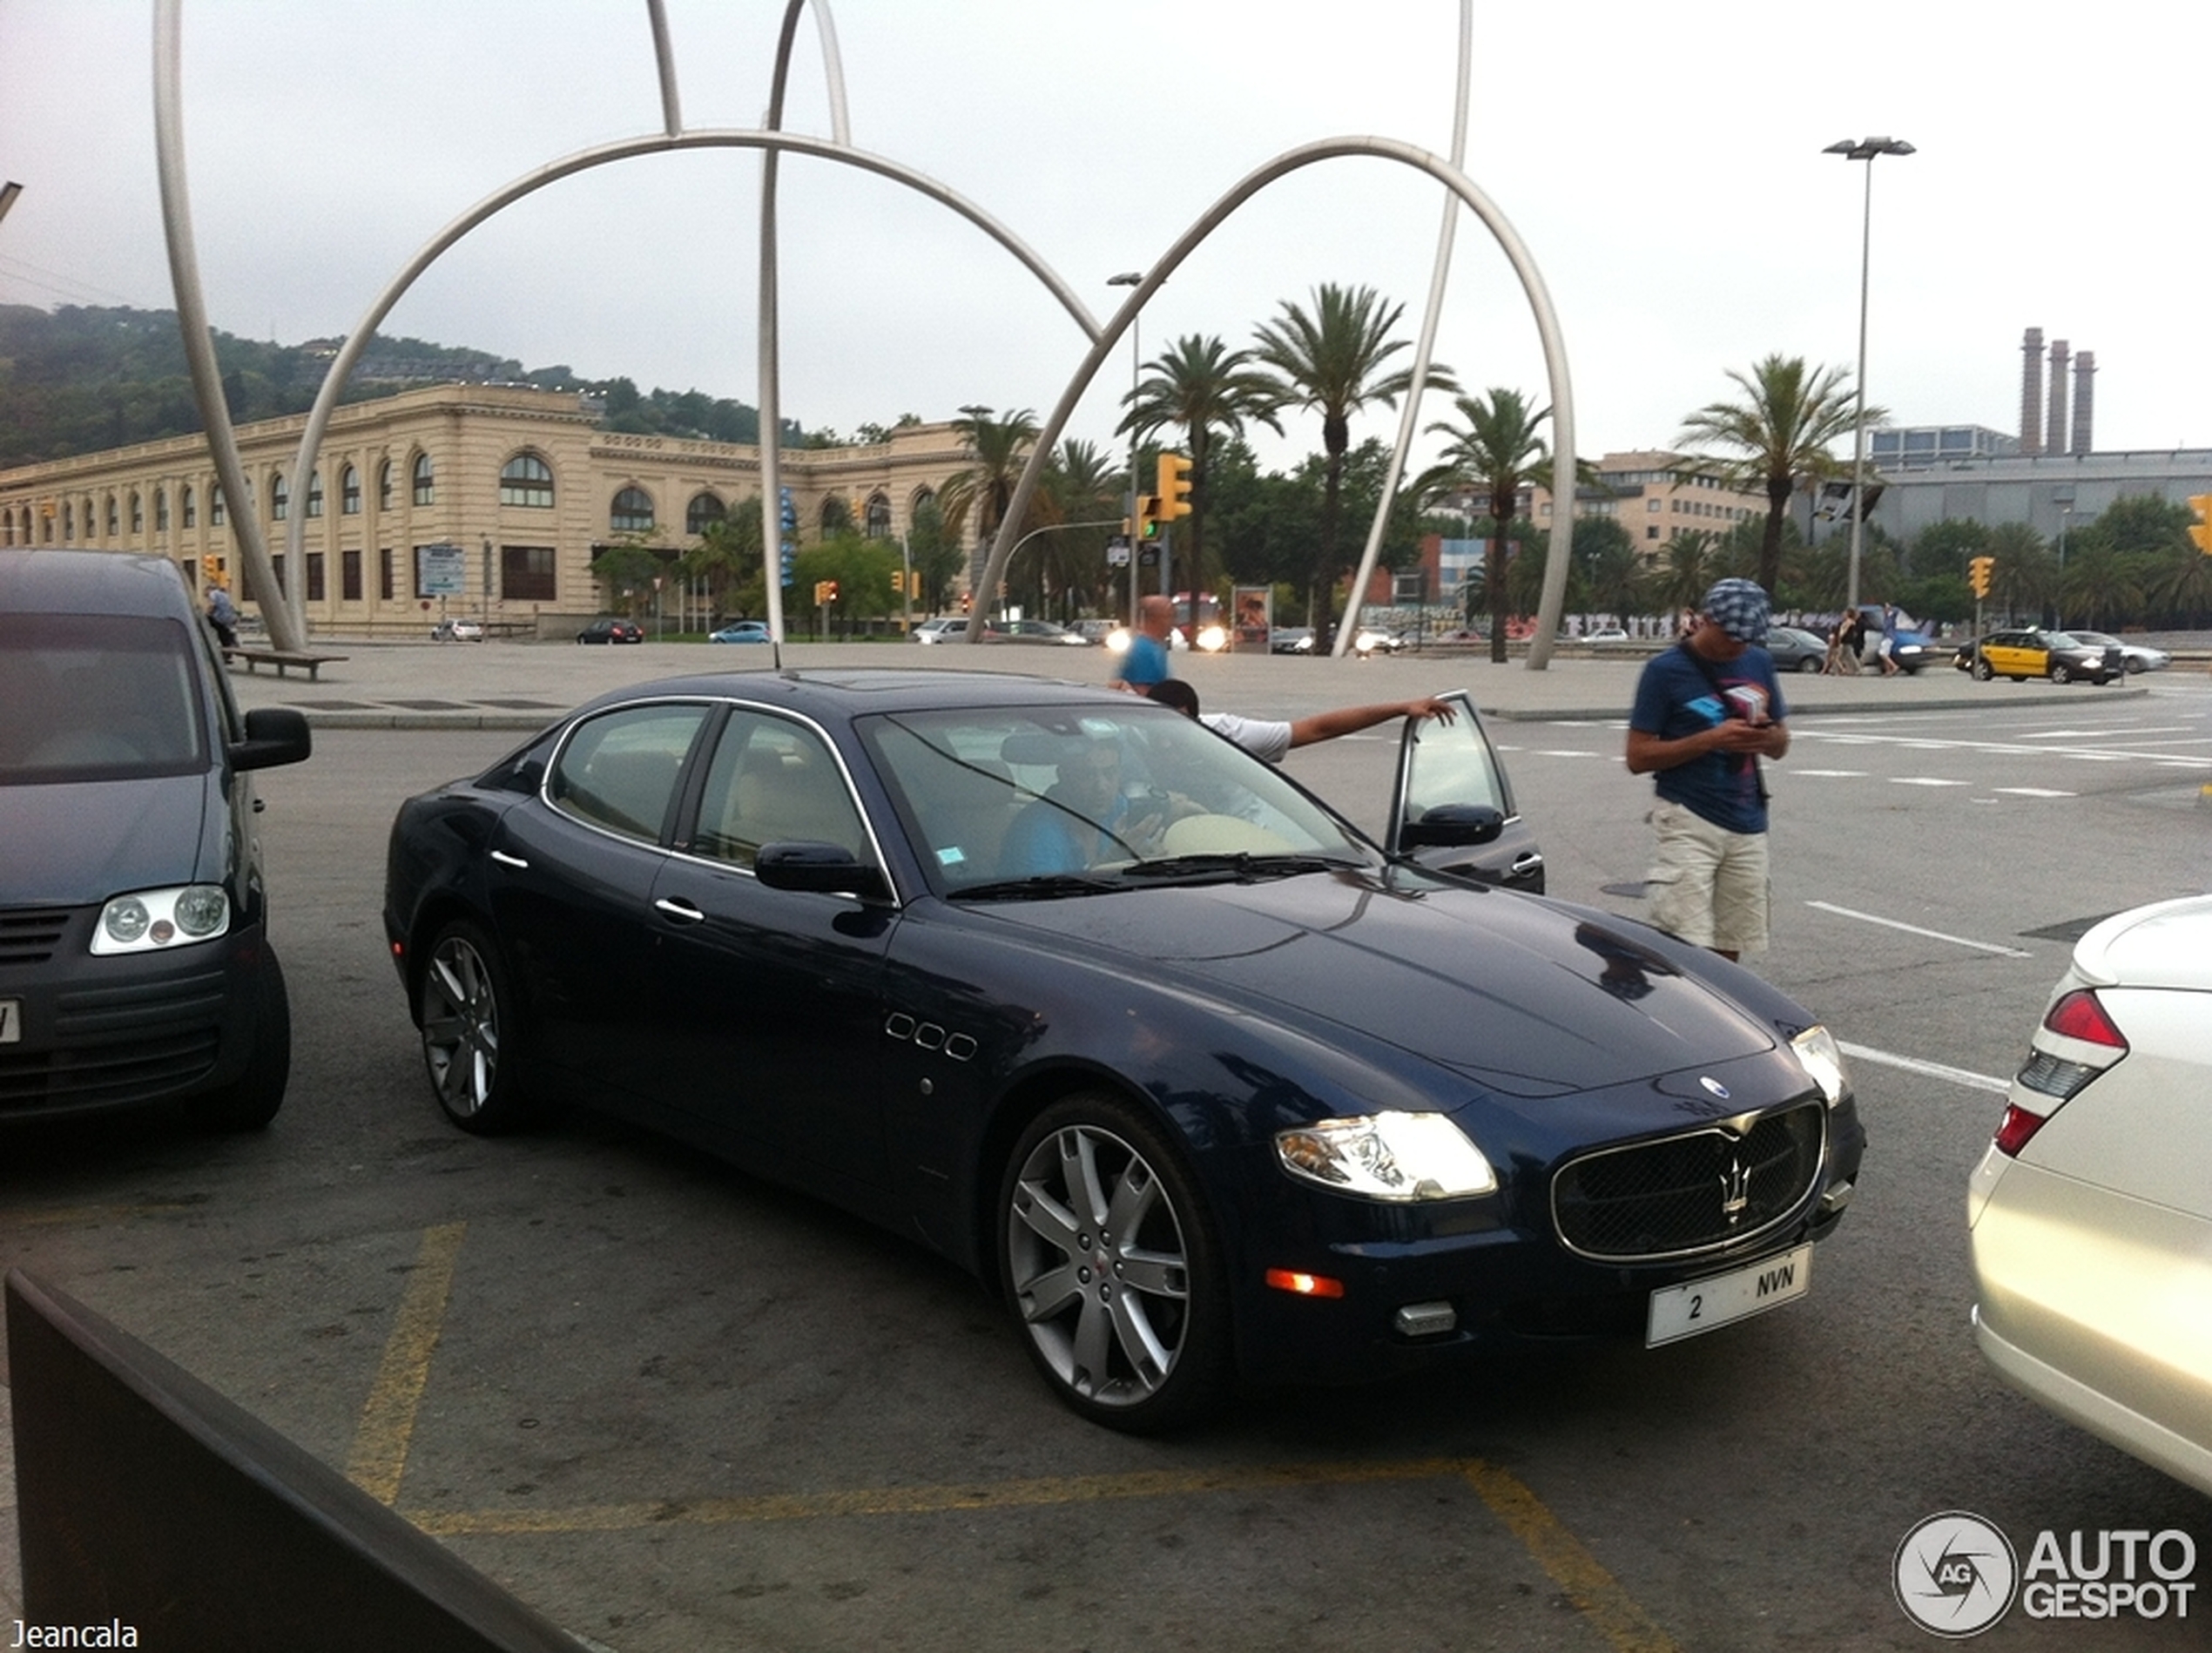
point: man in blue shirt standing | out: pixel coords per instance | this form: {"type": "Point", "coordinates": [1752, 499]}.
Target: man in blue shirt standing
{"type": "Point", "coordinates": [1706, 711]}
{"type": "Point", "coordinates": [1146, 662]}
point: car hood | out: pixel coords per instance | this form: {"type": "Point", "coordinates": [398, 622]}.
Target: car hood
{"type": "Point", "coordinates": [2160, 946]}
{"type": "Point", "coordinates": [1518, 994]}
{"type": "Point", "coordinates": [75, 842]}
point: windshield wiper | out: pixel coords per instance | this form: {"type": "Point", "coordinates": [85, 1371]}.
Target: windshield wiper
{"type": "Point", "coordinates": [1241, 866]}
{"type": "Point", "coordinates": [1042, 887]}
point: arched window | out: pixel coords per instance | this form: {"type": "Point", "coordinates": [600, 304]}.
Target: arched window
{"type": "Point", "coordinates": [138, 512]}
{"type": "Point", "coordinates": [315, 493]}
{"type": "Point", "coordinates": [161, 510]}
{"type": "Point", "coordinates": [111, 519]}
{"type": "Point", "coordinates": [188, 506]}
{"type": "Point", "coordinates": [280, 499]}
{"type": "Point", "coordinates": [384, 486]}
{"type": "Point", "coordinates": [632, 512]}
{"type": "Point", "coordinates": [703, 511]}
{"type": "Point", "coordinates": [69, 521]}
{"type": "Point", "coordinates": [349, 492]}
{"type": "Point", "coordinates": [878, 526]}
{"type": "Point", "coordinates": [217, 508]}
{"type": "Point", "coordinates": [526, 480]}
{"type": "Point", "coordinates": [426, 482]}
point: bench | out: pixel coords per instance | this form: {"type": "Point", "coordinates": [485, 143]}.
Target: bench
{"type": "Point", "coordinates": [282, 659]}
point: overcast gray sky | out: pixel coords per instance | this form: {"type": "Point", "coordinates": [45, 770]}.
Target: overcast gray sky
{"type": "Point", "coordinates": [1663, 165]}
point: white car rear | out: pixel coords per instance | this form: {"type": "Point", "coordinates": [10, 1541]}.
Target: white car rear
{"type": "Point", "coordinates": [2090, 1212]}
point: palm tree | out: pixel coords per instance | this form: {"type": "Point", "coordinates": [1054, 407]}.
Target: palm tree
{"type": "Point", "coordinates": [1205, 388]}
{"type": "Point", "coordinates": [1495, 451]}
{"type": "Point", "coordinates": [1000, 448]}
{"type": "Point", "coordinates": [1689, 563]}
{"type": "Point", "coordinates": [1777, 438]}
{"type": "Point", "coordinates": [1082, 484]}
{"type": "Point", "coordinates": [1333, 361]}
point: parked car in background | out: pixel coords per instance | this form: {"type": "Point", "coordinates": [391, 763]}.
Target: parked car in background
{"type": "Point", "coordinates": [946, 628]}
{"type": "Point", "coordinates": [2090, 1212]}
{"type": "Point", "coordinates": [1095, 630]}
{"type": "Point", "coordinates": [1606, 634]}
{"type": "Point", "coordinates": [611, 632]}
{"type": "Point", "coordinates": [1043, 631]}
{"type": "Point", "coordinates": [2134, 657]}
{"type": "Point", "coordinates": [885, 936]}
{"type": "Point", "coordinates": [1291, 639]}
{"type": "Point", "coordinates": [1796, 650]}
{"type": "Point", "coordinates": [2032, 652]}
{"type": "Point", "coordinates": [135, 963]}
{"type": "Point", "coordinates": [741, 631]}
{"type": "Point", "coordinates": [1373, 639]}
{"type": "Point", "coordinates": [457, 628]}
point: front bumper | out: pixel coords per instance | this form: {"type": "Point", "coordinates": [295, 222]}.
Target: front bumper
{"type": "Point", "coordinates": [107, 1035]}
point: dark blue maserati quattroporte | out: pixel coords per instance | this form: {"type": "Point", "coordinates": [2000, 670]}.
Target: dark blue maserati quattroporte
{"type": "Point", "coordinates": [1202, 1081]}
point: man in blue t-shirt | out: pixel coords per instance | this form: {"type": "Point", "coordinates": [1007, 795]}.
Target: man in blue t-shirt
{"type": "Point", "coordinates": [1146, 662]}
{"type": "Point", "coordinates": [1706, 711]}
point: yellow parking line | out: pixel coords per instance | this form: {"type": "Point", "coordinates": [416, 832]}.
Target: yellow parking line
{"type": "Point", "coordinates": [1609, 1610]}
{"type": "Point", "coordinates": [379, 1457]}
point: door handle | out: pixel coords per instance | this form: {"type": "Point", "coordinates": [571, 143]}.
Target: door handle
{"type": "Point", "coordinates": [505, 860]}
{"type": "Point", "coordinates": [682, 911]}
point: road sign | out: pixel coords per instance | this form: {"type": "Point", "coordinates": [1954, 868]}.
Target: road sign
{"type": "Point", "coordinates": [441, 569]}
{"type": "Point", "coordinates": [1118, 551]}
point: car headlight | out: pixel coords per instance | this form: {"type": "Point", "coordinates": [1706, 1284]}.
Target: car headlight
{"type": "Point", "coordinates": [1398, 1157]}
{"type": "Point", "coordinates": [1213, 638]}
{"type": "Point", "coordinates": [147, 920]}
{"type": "Point", "coordinates": [1822, 1058]}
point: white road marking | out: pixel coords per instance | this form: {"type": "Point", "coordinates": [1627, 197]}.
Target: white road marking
{"type": "Point", "coordinates": [1926, 780]}
{"type": "Point", "coordinates": [1932, 1069]}
{"type": "Point", "coordinates": [2037, 792]}
{"type": "Point", "coordinates": [1914, 929]}
{"type": "Point", "coordinates": [1836, 774]}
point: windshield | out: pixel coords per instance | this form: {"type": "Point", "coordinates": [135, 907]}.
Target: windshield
{"type": "Point", "coordinates": [96, 697]}
{"type": "Point", "coordinates": [1010, 802]}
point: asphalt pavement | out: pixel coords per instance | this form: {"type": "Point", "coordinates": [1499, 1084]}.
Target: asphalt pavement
{"type": "Point", "coordinates": [521, 685]}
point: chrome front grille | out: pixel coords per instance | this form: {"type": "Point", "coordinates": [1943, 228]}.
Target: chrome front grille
{"type": "Point", "coordinates": [1702, 1190]}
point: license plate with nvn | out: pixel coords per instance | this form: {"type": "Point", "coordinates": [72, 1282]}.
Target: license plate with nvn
{"type": "Point", "coordinates": [1699, 1305]}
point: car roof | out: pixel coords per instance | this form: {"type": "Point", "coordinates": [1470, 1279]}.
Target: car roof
{"type": "Point", "coordinates": [52, 580]}
{"type": "Point", "coordinates": [840, 694]}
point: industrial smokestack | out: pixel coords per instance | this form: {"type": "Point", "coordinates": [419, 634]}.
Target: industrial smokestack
{"type": "Point", "coordinates": [2032, 391]}
{"type": "Point", "coordinates": [2055, 432]}
{"type": "Point", "coordinates": [2085, 372]}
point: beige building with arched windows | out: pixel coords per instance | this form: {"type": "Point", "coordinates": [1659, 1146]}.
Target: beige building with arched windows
{"type": "Point", "coordinates": [522, 480]}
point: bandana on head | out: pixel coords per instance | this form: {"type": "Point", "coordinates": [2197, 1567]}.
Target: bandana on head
{"type": "Point", "coordinates": [1739, 608]}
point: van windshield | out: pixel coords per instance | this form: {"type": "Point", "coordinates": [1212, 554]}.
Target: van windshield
{"type": "Point", "coordinates": [88, 696]}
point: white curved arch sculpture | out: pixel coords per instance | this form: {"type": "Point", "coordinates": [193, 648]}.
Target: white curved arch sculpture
{"type": "Point", "coordinates": [1389, 148]}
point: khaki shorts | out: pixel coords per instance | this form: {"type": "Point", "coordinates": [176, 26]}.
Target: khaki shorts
{"type": "Point", "coordinates": [1709, 885]}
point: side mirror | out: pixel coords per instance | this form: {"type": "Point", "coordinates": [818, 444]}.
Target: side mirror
{"type": "Point", "coordinates": [1453, 826]}
{"type": "Point", "coordinates": [275, 735]}
{"type": "Point", "coordinates": [823, 868]}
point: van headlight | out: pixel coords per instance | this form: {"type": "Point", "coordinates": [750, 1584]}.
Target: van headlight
{"type": "Point", "coordinates": [148, 920]}
{"type": "Point", "coordinates": [1822, 1058]}
{"type": "Point", "coordinates": [1398, 1157]}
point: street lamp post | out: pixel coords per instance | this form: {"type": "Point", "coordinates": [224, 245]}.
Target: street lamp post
{"type": "Point", "coordinates": [1129, 279]}
{"type": "Point", "coordinates": [1864, 150]}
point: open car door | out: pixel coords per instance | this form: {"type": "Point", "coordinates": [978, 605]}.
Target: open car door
{"type": "Point", "coordinates": [1453, 807]}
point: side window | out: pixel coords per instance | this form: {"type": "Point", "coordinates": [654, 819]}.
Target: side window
{"type": "Point", "coordinates": [620, 771]}
{"type": "Point", "coordinates": [1451, 763]}
{"type": "Point", "coordinates": [772, 781]}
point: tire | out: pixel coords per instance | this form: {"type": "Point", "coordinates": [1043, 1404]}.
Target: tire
{"type": "Point", "coordinates": [1147, 1350]}
{"type": "Point", "coordinates": [465, 1008]}
{"type": "Point", "coordinates": [1810, 663]}
{"type": "Point", "coordinates": [2133, 666]}
{"type": "Point", "coordinates": [2060, 673]}
{"type": "Point", "coordinates": [1981, 672]}
{"type": "Point", "coordinates": [252, 1100]}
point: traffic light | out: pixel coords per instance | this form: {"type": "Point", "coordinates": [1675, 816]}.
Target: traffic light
{"type": "Point", "coordinates": [1978, 572]}
{"type": "Point", "coordinates": [825, 592]}
{"type": "Point", "coordinates": [1148, 516]}
{"type": "Point", "coordinates": [2201, 530]}
{"type": "Point", "coordinates": [1175, 487]}
{"type": "Point", "coordinates": [211, 568]}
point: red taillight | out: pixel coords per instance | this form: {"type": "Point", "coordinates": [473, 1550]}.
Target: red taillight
{"type": "Point", "coordinates": [2017, 1126]}
{"type": "Point", "coordinates": [2079, 1014]}
{"type": "Point", "coordinates": [1299, 1283]}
